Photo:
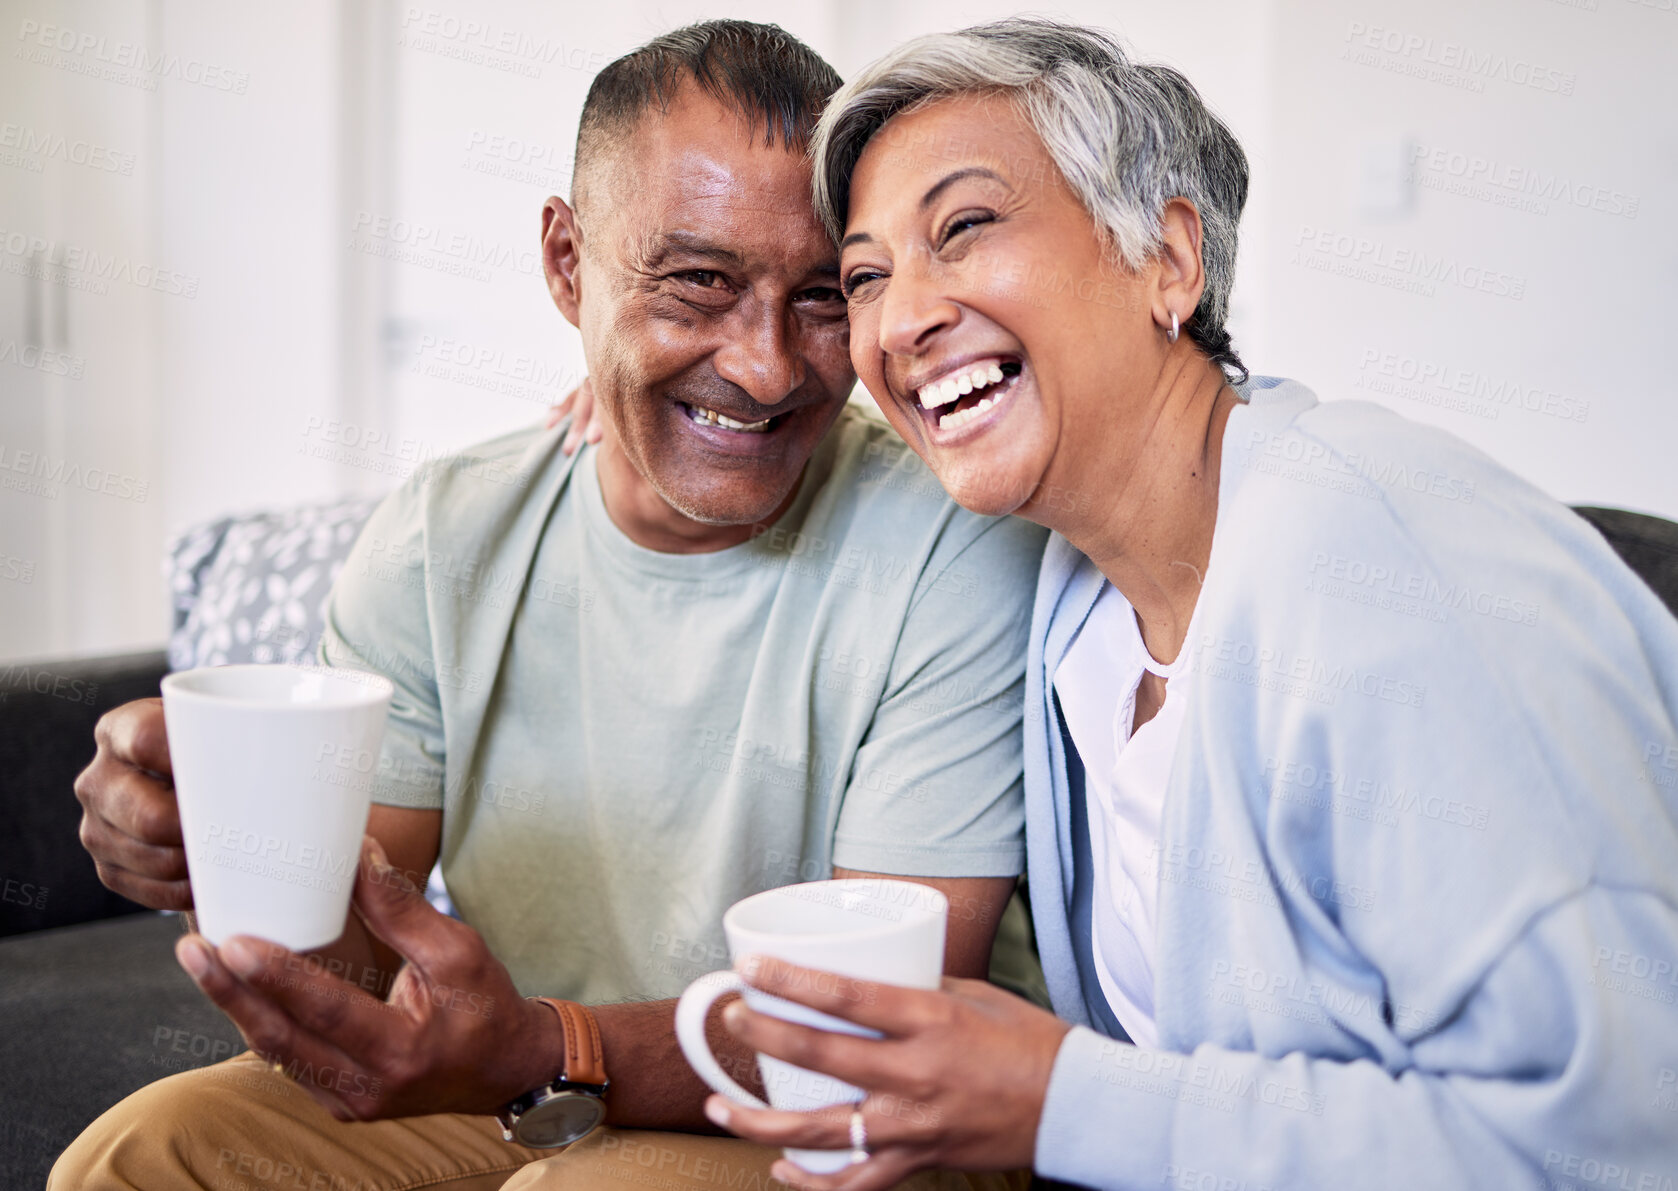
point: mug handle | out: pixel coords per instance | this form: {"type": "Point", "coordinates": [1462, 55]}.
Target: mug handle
{"type": "Point", "coordinates": [691, 1012]}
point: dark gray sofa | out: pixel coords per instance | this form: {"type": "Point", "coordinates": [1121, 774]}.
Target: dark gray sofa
{"type": "Point", "coordinates": [92, 1005]}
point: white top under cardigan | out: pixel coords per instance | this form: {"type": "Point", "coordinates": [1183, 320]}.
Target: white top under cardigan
{"type": "Point", "coordinates": [1127, 773]}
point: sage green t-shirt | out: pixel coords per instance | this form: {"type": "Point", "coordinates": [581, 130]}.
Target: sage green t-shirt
{"type": "Point", "coordinates": [624, 743]}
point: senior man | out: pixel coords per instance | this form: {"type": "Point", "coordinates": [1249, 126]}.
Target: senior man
{"type": "Point", "coordinates": [742, 642]}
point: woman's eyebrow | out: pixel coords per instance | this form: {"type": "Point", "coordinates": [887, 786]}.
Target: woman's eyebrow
{"type": "Point", "coordinates": [950, 179]}
{"type": "Point", "coordinates": [931, 196]}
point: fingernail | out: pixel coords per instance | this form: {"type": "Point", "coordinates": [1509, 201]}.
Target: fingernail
{"type": "Point", "coordinates": [716, 1108]}
{"type": "Point", "coordinates": [194, 957]}
{"type": "Point", "coordinates": [376, 853]}
{"type": "Point", "coordinates": [734, 1015]}
{"type": "Point", "coordinates": [241, 956]}
{"type": "Point", "coordinates": [749, 968]}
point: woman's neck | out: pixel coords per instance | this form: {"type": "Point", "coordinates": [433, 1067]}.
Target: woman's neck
{"type": "Point", "coordinates": [1153, 536]}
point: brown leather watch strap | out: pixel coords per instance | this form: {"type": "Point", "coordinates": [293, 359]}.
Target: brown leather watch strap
{"type": "Point", "coordinates": [585, 1061]}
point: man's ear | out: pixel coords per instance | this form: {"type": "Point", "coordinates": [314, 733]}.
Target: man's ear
{"type": "Point", "coordinates": [561, 254]}
{"type": "Point", "coordinates": [1182, 275]}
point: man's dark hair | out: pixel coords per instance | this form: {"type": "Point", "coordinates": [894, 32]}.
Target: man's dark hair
{"type": "Point", "coordinates": [766, 74]}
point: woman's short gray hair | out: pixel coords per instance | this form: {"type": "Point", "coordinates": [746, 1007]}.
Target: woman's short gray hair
{"type": "Point", "coordinates": [1126, 136]}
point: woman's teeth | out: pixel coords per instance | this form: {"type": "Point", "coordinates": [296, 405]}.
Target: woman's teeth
{"type": "Point", "coordinates": [710, 417]}
{"type": "Point", "coordinates": [958, 385]}
{"type": "Point", "coordinates": [961, 417]}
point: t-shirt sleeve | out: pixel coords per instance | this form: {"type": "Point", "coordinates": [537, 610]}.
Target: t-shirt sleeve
{"type": "Point", "coordinates": [936, 788]}
{"type": "Point", "coordinates": [377, 620]}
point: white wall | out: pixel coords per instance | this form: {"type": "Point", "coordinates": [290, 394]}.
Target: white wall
{"type": "Point", "coordinates": [330, 338]}
{"type": "Point", "coordinates": [1587, 336]}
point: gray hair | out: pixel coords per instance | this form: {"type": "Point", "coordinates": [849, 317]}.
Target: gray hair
{"type": "Point", "coordinates": [1126, 136]}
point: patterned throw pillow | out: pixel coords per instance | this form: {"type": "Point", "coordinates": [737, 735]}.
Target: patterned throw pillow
{"type": "Point", "coordinates": [253, 588]}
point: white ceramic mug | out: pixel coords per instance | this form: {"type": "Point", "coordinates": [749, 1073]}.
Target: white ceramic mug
{"type": "Point", "coordinates": [274, 769]}
{"type": "Point", "coordinates": [891, 932]}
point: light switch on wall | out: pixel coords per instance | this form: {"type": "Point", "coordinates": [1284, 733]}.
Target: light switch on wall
{"type": "Point", "coordinates": [1382, 185]}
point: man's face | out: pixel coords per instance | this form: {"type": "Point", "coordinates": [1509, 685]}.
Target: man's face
{"type": "Point", "coordinates": [707, 297]}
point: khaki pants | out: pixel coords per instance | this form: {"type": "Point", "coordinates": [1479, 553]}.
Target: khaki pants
{"type": "Point", "coordinates": [238, 1126]}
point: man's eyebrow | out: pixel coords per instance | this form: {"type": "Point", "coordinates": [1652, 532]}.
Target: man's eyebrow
{"type": "Point", "coordinates": [691, 244]}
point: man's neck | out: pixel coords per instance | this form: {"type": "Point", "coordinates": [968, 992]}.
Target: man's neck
{"type": "Point", "coordinates": [649, 521]}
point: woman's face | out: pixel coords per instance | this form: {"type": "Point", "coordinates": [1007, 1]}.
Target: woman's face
{"type": "Point", "coordinates": [985, 319]}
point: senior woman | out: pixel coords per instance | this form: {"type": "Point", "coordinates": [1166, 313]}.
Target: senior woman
{"type": "Point", "coordinates": [1352, 768]}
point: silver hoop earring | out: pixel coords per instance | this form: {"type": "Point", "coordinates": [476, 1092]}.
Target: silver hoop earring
{"type": "Point", "coordinates": [1171, 335]}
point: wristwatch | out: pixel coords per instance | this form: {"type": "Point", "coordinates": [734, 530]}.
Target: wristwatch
{"type": "Point", "coordinates": [570, 1107]}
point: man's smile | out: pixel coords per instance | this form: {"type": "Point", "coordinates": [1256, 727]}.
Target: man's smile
{"type": "Point", "coordinates": [710, 417]}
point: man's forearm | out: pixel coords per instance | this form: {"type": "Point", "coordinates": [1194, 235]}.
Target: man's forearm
{"type": "Point", "coordinates": [653, 1087]}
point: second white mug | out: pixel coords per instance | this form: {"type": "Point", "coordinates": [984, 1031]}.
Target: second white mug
{"type": "Point", "coordinates": [890, 932]}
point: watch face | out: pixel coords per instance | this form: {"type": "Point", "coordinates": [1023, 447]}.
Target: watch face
{"type": "Point", "coordinates": [560, 1119]}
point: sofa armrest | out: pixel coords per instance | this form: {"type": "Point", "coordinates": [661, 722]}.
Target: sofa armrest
{"type": "Point", "coordinates": [47, 714]}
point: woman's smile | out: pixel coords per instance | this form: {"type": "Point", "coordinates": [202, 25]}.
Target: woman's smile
{"type": "Point", "coordinates": [959, 395]}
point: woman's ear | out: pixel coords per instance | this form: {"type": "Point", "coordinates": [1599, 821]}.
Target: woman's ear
{"type": "Point", "coordinates": [1182, 276]}
{"type": "Point", "coordinates": [561, 255]}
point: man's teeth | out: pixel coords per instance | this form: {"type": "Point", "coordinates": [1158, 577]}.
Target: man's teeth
{"type": "Point", "coordinates": [710, 417]}
{"type": "Point", "coordinates": [961, 417]}
{"type": "Point", "coordinates": [952, 388]}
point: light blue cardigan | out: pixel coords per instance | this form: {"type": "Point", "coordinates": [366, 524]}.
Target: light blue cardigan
{"type": "Point", "coordinates": [1418, 903]}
